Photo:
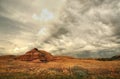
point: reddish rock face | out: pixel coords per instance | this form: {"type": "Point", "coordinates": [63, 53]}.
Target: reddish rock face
{"type": "Point", "coordinates": [35, 54]}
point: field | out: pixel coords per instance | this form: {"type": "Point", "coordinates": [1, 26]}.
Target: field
{"type": "Point", "coordinates": [61, 68]}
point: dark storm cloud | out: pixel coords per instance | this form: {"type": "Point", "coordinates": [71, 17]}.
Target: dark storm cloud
{"type": "Point", "coordinates": [105, 53]}
{"type": "Point", "coordinates": [7, 23]}
{"type": "Point", "coordinates": [60, 31]}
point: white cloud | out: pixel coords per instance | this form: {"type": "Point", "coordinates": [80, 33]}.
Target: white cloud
{"type": "Point", "coordinates": [44, 16]}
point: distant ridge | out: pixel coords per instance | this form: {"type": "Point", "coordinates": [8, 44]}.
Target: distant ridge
{"type": "Point", "coordinates": [117, 57]}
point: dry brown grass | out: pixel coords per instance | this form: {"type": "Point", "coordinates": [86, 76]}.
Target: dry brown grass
{"type": "Point", "coordinates": [62, 66]}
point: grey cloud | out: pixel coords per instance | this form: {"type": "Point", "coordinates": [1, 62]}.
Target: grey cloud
{"type": "Point", "coordinates": [105, 53]}
{"type": "Point", "coordinates": [92, 25]}
{"type": "Point", "coordinates": [13, 28]}
{"type": "Point", "coordinates": [7, 23]}
{"type": "Point", "coordinates": [86, 28]}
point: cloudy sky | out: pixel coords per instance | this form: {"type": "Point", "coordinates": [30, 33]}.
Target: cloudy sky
{"type": "Point", "coordinates": [79, 28]}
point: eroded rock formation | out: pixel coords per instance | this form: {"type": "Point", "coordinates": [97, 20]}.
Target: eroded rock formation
{"type": "Point", "coordinates": [36, 56]}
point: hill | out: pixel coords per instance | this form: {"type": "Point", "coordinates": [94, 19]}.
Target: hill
{"type": "Point", "coordinates": [39, 64]}
{"type": "Point", "coordinates": [36, 55]}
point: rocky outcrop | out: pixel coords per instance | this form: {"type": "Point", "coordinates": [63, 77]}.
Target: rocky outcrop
{"type": "Point", "coordinates": [36, 55]}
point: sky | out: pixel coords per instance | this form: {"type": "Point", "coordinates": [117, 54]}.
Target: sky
{"type": "Point", "coordinates": [78, 28]}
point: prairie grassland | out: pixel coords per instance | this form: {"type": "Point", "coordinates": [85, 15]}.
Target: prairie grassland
{"type": "Point", "coordinates": [64, 68]}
